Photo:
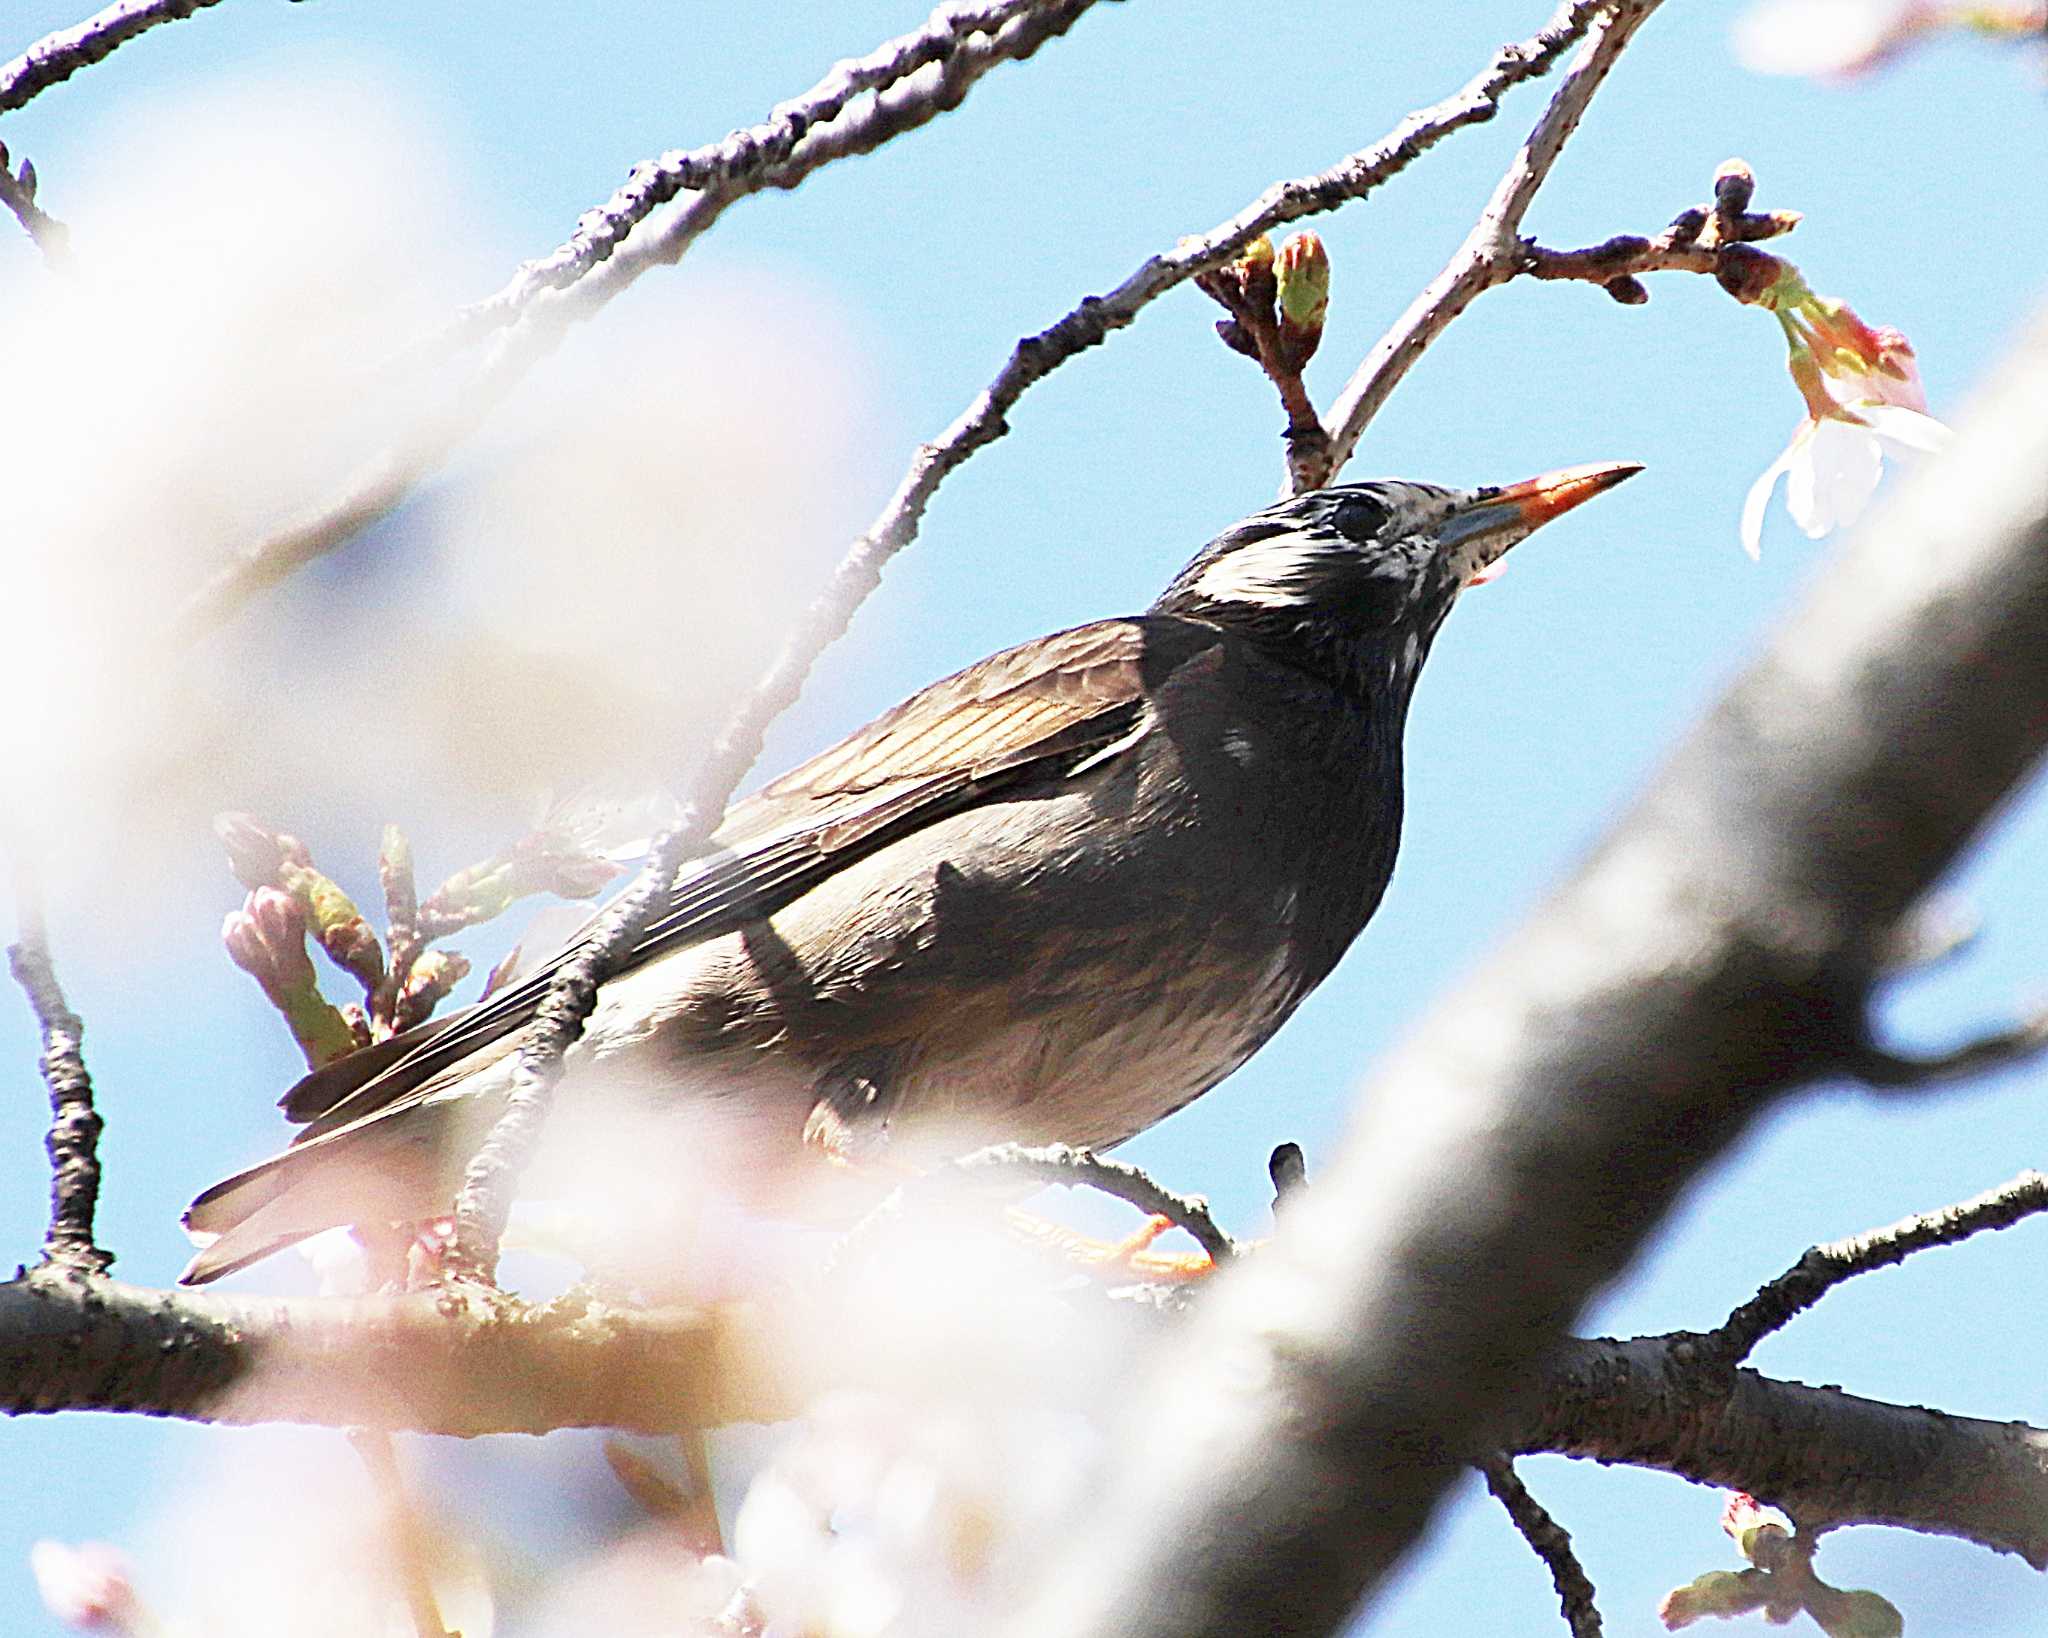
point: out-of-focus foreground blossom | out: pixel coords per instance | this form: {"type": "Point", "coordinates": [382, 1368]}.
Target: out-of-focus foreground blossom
{"type": "Point", "coordinates": [1839, 38]}
{"type": "Point", "coordinates": [891, 1517]}
{"type": "Point", "coordinates": [89, 1587]}
{"type": "Point", "coordinates": [1864, 402]}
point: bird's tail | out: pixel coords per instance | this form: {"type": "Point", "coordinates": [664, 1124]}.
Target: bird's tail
{"type": "Point", "coordinates": [385, 1170]}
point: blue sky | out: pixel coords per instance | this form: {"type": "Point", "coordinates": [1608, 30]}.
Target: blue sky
{"type": "Point", "coordinates": [900, 281]}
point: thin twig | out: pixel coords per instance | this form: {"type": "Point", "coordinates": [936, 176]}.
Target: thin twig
{"type": "Point", "coordinates": [1491, 253]}
{"type": "Point", "coordinates": [1549, 1541]}
{"type": "Point", "coordinates": [741, 163]}
{"type": "Point", "coordinates": [1890, 1071]}
{"type": "Point", "coordinates": [58, 56]}
{"type": "Point", "coordinates": [912, 99]}
{"type": "Point", "coordinates": [485, 1199]}
{"type": "Point", "coordinates": [1073, 1168]}
{"type": "Point", "coordinates": [18, 194]}
{"type": "Point", "coordinates": [1826, 1266]}
{"type": "Point", "coordinates": [401, 1530]}
{"type": "Point", "coordinates": [378, 492]}
{"type": "Point", "coordinates": [73, 1140]}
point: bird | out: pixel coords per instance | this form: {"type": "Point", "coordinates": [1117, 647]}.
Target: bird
{"type": "Point", "coordinates": [1053, 897]}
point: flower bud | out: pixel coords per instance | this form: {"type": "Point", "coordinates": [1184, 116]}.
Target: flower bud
{"type": "Point", "coordinates": [1859, 1614]}
{"type": "Point", "coordinates": [1734, 187]}
{"type": "Point", "coordinates": [1302, 277]}
{"type": "Point", "coordinates": [266, 938]}
{"type": "Point", "coordinates": [433, 976]}
{"type": "Point", "coordinates": [256, 853]}
{"type": "Point", "coordinates": [1757, 1531]}
{"type": "Point", "coordinates": [1629, 290]}
{"type": "Point", "coordinates": [1256, 279]}
{"type": "Point", "coordinates": [1236, 337]}
{"type": "Point", "coordinates": [333, 919]}
{"type": "Point", "coordinates": [1753, 277]}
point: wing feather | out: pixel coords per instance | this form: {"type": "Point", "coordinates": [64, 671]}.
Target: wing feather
{"type": "Point", "coordinates": [1040, 708]}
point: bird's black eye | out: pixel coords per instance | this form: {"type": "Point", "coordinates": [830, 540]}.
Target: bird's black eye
{"type": "Point", "coordinates": [1359, 517]}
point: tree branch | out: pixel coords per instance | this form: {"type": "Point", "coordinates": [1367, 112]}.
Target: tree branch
{"type": "Point", "coordinates": [73, 1139]}
{"type": "Point", "coordinates": [1828, 1458]}
{"type": "Point", "coordinates": [1826, 1266]}
{"type": "Point", "coordinates": [1550, 1542]}
{"type": "Point", "coordinates": [393, 476]}
{"type": "Point", "coordinates": [965, 41]}
{"type": "Point", "coordinates": [450, 1361]}
{"type": "Point", "coordinates": [401, 1530]}
{"type": "Point", "coordinates": [743, 165]}
{"type": "Point", "coordinates": [491, 1178]}
{"type": "Point", "coordinates": [1492, 252]}
{"type": "Point", "coordinates": [440, 1363]}
{"type": "Point", "coordinates": [1074, 1168]}
{"type": "Point", "coordinates": [18, 194]}
{"type": "Point", "coordinates": [56, 57]}
{"type": "Point", "coordinates": [1714, 953]}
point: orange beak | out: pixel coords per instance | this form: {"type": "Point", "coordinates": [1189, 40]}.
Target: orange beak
{"type": "Point", "coordinates": [1537, 500]}
{"type": "Point", "coordinates": [1484, 528]}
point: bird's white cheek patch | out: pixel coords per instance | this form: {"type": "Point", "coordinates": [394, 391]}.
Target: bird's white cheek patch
{"type": "Point", "coordinates": [1273, 574]}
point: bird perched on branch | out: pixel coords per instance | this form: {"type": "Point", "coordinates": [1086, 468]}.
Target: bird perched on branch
{"type": "Point", "coordinates": [1049, 899]}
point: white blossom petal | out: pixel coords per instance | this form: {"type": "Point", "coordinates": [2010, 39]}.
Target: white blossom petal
{"type": "Point", "coordinates": [1836, 480]}
{"type": "Point", "coordinates": [1758, 501]}
{"type": "Point", "coordinates": [1904, 431]}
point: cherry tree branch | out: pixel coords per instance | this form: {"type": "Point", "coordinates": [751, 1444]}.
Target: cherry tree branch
{"type": "Point", "coordinates": [547, 309]}
{"type": "Point", "coordinates": [18, 194]}
{"type": "Point", "coordinates": [1063, 1164]}
{"type": "Point", "coordinates": [56, 57]}
{"type": "Point", "coordinates": [1826, 1266]}
{"type": "Point", "coordinates": [1549, 1541]}
{"type": "Point", "coordinates": [445, 1363]}
{"type": "Point", "coordinates": [73, 1139]}
{"type": "Point", "coordinates": [1828, 1458]}
{"type": "Point", "coordinates": [1492, 252]}
{"type": "Point", "coordinates": [1715, 953]}
{"type": "Point", "coordinates": [916, 78]}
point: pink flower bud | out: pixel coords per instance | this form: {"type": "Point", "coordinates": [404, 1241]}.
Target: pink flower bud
{"type": "Point", "coordinates": [256, 853]}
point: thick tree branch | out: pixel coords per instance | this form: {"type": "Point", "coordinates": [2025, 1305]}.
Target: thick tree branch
{"type": "Point", "coordinates": [58, 56]}
{"type": "Point", "coordinates": [1828, 1458]}
{"type": "Point", "coordinates": [439, 1363]}
{"type": "Point", "coordinates": [1715, 952]}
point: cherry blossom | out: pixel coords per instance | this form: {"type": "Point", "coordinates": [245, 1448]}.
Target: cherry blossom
{"type": "Point", "coordinates": [1864, 403]}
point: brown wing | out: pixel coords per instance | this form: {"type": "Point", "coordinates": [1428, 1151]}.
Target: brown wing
{"type": "Point", "coordinates": [1035, 710]}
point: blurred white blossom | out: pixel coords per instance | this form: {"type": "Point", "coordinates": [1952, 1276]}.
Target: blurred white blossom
{"type": "Point", "coordinates": [89, 1587]}
{"type": "Point", "coordinates": [1839, 38]}
{"type": "Point", "coordinates": [1827, 36]}
{"type": "Point", "coordinates": [888, 1515]}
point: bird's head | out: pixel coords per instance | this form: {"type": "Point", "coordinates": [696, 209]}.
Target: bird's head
{"type": "Point", "coordinates": [1357, 578]}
